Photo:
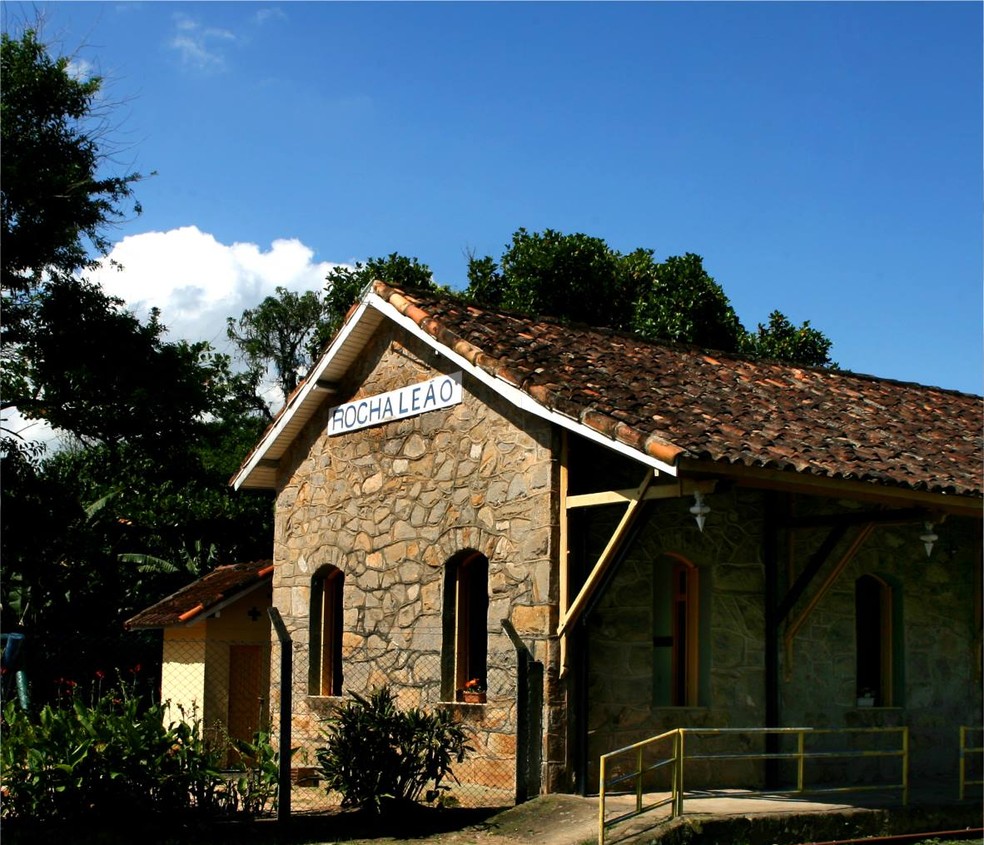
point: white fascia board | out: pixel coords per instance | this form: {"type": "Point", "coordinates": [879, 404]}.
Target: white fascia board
{"type": "Point", "coordinates": [302, 396]}
{"type": "Point", "coordinates": [514, 395]}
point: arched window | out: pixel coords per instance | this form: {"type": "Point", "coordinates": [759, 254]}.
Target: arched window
{"type": "Point", "coordinates": [466, 617]}
{"type": "Point", "coordinates": [325, 659]}
{"type": "Point", "coordinates": [676, 666]}
{"type": "Point", "coordinates": [875, 618]}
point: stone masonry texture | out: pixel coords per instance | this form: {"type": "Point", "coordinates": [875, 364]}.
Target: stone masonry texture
{"type": "Point", "coordinates": [389, 506]}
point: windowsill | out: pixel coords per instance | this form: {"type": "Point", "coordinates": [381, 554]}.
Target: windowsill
{"type": "Point", "coordinates": [466, 706]}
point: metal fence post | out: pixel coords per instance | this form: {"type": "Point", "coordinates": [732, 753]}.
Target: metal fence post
{"type": "Point", "coordinates": [286, 708]}
{"type": "Point", "coordinates": [529, 717]}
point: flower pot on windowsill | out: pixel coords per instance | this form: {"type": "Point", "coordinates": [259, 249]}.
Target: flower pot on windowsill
{"type": "Point", "coordinates": [473, 696]}
{"type": "Point", "coordinates": [866, 701]}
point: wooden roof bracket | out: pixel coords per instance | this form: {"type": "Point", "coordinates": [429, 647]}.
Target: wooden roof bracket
{"type": "Point", "coordinates": [807, 576]}
{"type": "Point", "coordinates": [570, 615]}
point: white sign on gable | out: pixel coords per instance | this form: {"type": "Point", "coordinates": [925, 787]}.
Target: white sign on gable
{"type": "Point", "coordinates": [430, 395]}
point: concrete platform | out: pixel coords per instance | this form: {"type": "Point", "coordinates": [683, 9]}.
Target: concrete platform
{"type": "Point", "coordinates": [819, 817]}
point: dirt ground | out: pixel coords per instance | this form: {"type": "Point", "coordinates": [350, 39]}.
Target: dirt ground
{"type": "Point", "coordinates": [547, 820]}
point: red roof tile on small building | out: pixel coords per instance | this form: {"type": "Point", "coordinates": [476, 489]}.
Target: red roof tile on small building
{"type": "Point", "coordinates": [201, 596]}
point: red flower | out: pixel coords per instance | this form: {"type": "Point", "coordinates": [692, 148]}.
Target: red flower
{"type": "Point", "coordinates": [100, 674]}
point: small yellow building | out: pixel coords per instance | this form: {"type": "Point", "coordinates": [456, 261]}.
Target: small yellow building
{"type": "Point", "coordinates": [216, 660]}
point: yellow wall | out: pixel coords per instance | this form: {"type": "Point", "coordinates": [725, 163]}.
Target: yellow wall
{"type": "Point", "coordinates": [195, 673]}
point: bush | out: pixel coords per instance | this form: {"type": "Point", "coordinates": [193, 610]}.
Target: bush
{"type": "Point", "coordinates": [376, 752]}
{"type": "Point", "coordinates": [76, 761]}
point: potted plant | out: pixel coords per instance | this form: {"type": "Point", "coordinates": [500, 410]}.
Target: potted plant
{"type": "Point", "coordinates": [474, 691]}
{"type": "Point", "coordinates": [867, 698]}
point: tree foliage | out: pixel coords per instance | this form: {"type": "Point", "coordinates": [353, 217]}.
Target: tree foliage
{"type": "Point", "coordinates": [345, 286]}
{"type": "Point", "coordinates": [581, 278]}
{"type": "Point", "coordinates": [783, 341]}
{"type": "Point", "coordinates": [55, 203]}
{"type": "Point", "coordinates": [677, 300]}
{"type": "Point", "coordinates": [277, 333]}
{"type": "Point", "coordinates": [138, 501]}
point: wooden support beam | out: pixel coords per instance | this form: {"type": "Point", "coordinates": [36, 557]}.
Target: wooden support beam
{"type": "Point", "coordinates": [812, 485]}
{"type": "Point", "coordinates": [775, 508]}
{"type": "Point", "coordinates": [798, 622]}
{"type": "Point", "coordinates": [596, 574]}
{"type": "Point", "coordinates": [898, 516]}
{"type": "Point", "coordinates": [683, 487]}
{"type": "Point", "coordinates": [564, 553]}
{"type": "Point", "coordinates": [817, 560]}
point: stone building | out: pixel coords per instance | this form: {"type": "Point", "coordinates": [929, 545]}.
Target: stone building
{"type": "Point", "coordinates": [611, 537]}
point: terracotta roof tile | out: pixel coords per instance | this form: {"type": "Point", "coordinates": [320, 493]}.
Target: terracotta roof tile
{"type": "Point", "coordinates": [200, 596]}
{"type": "Point", "coordinates": [670, 400]}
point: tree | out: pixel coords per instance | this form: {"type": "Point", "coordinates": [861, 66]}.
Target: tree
{"type": "Point", "coordinates": [345, 286]}
{"type": "Point", "coordinates": [54, 203]}
{"type": "Point", "coordinates": [552, 274]}
{"type": "Point", "coordinates": [139, 500]}
{"type": "Point", "coordinates": [677, 300]}
{"type": "Point", "coordinates": [783, 341]}
{"type": "Point", "coordinates": [580, 278]}
{"type": "Point", "coordinates": [276, 334]}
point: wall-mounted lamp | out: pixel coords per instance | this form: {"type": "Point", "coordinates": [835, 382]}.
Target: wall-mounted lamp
{"type": "Point", "coordinates": [699, 510]}
{"type": "Point", "coordinates": [928, 538]}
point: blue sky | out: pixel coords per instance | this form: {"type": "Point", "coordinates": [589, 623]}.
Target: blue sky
{"type": "Point", "coordinates": [825, 159]}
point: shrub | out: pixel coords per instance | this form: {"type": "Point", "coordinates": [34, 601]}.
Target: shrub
{"type": "Point", "coordinates": [75, 760]}
{"type": "Point", "coordinates": [375, 752]}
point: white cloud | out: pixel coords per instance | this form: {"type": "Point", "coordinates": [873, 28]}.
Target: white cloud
{"type": "Point", "coordinates": [81, 69]}
{"type": "Point", "coordinates": [197, 282]}
{"type": "Point", "coordinates": [269, 14]}
{"type": "Point", "coordinates": [198, 46]}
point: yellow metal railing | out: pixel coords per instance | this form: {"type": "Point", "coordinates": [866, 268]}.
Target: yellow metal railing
{"type": "Point", "coordinates": [966, 731]}
{"type": "Point", "coordinates": [638, 772]}
{"type": "Point", "coordinates": [678, 758]}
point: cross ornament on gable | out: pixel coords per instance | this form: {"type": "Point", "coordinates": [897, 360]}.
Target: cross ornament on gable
{"type": "Point", "coordinates": [254, 613]}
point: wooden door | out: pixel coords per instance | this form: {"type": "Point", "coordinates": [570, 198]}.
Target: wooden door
{"type": "Point", "coordinates": [247, 698]}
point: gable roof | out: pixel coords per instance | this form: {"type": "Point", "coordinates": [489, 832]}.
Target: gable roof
{"type": "Point", "coordinates": [666, 404]}
{"type": "Point", "coordinates": [221, 586]}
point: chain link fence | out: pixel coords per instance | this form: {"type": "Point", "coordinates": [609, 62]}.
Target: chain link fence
{"type": "Point", "coordinates": [233, 689]}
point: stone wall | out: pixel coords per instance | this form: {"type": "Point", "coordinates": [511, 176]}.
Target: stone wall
{"type": "Point", "coordinates": [727, 554]}
{"type": "Point", "coordinates": [941, 684]}
{"type": "Point", "coordinates": [389, 506]}
{"type": "Point", "coordinates": [940, 637]}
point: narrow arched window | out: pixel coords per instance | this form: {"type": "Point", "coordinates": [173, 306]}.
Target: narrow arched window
{"type": "Point", "coordinates": [325, 659]}
{"type": "Point", "coordinates": [466, 616]}
{"type": "Point", "coordinates": [675, 633]}
{"type": "Point", "coordinates": [874, 620]}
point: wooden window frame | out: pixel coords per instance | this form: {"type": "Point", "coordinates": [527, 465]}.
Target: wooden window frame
{"type": "Point", "coordinates": [676, 628]}
{"type": "Point", "coordinates": [325, 655]}
{"type": "Point", "coordinates": [466, 612]}
{"type": "Point", "coordinates": [874, 595]}
{"type": "Point", "coordinates": [686, 607]}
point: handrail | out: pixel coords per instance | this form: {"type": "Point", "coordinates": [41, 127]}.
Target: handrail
{"type": "Point", "coordinates": [637, 774]}
{"type": "Point", "coordinates": [964, 751]}
{"type": "Point", "coordinates": [801, 756]}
